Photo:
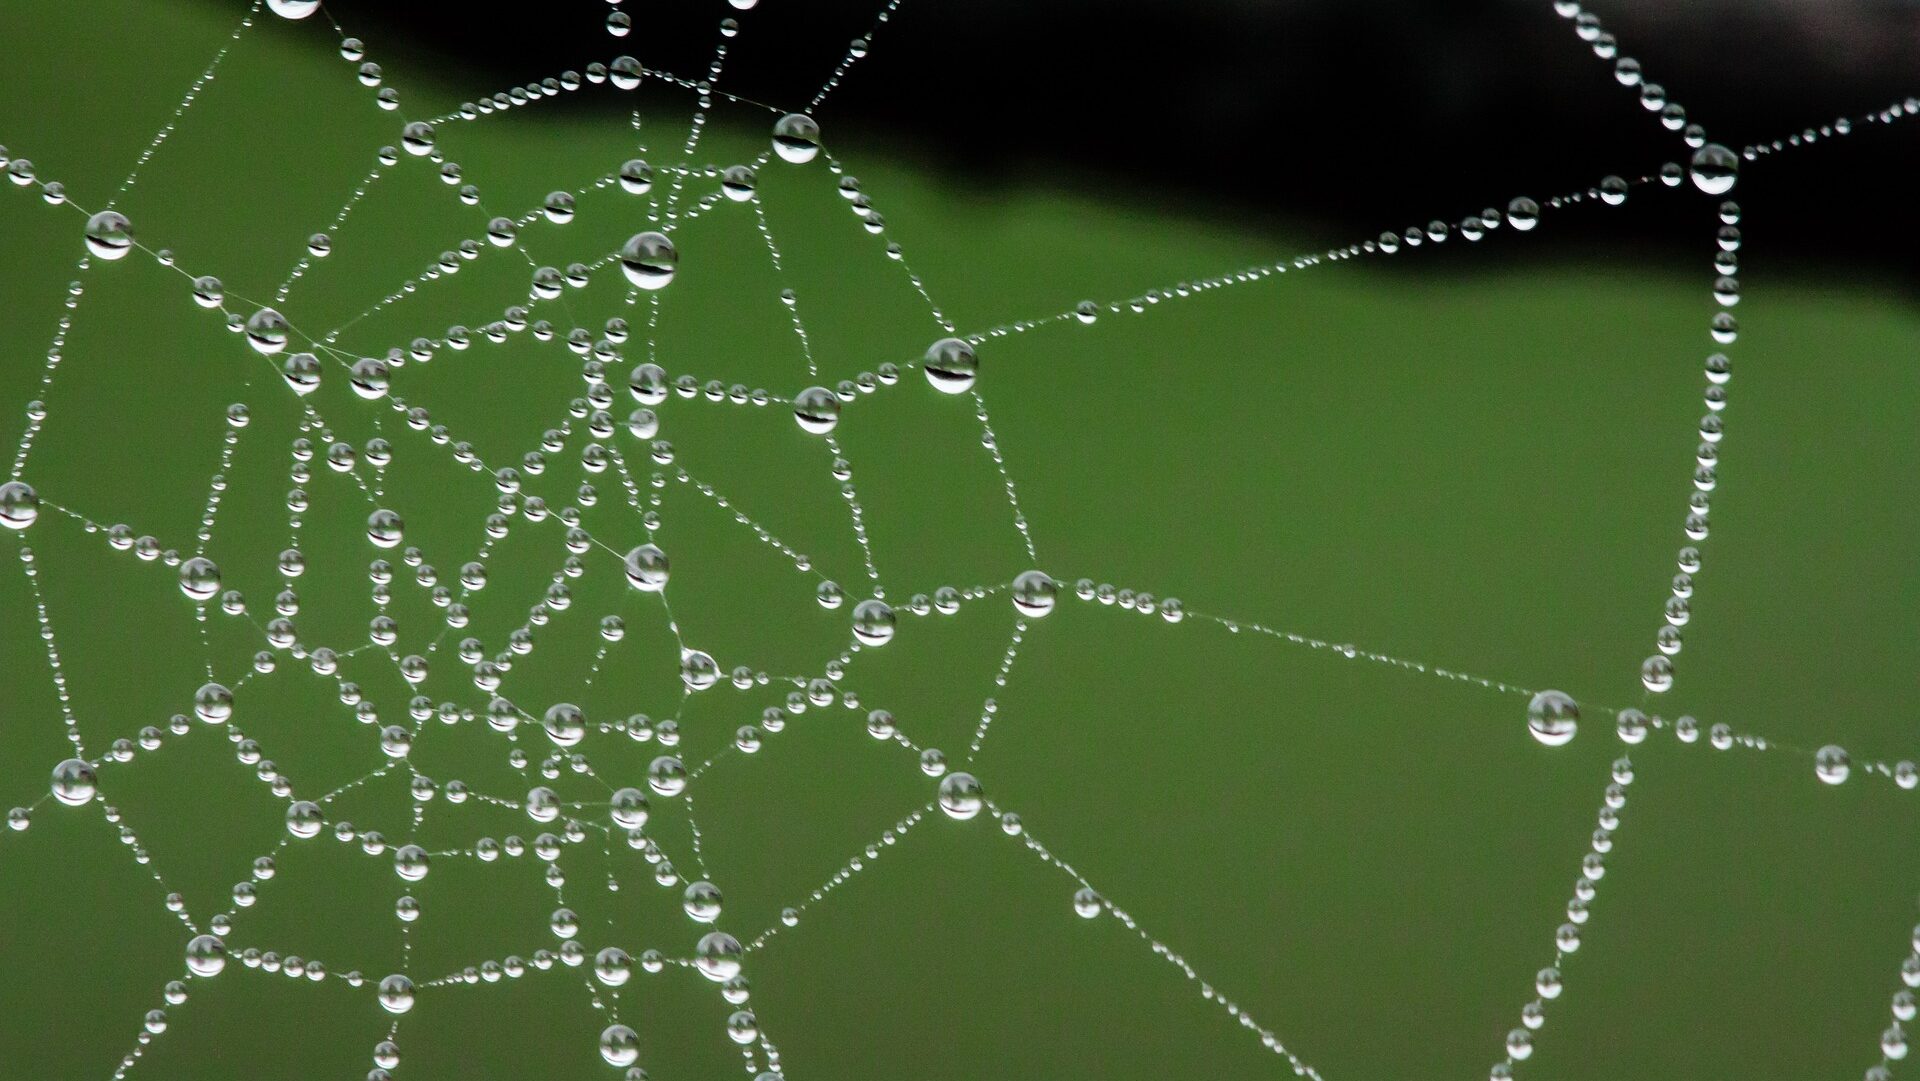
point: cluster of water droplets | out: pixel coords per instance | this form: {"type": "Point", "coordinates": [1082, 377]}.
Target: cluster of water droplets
{"type": "Point", "coordinates": [952, 367]}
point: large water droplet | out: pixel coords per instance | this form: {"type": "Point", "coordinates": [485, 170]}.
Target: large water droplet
{"type": "Point", "coordinates": [206, 955]}
{"type": "Point", "coordinates": [1553, 717]}
{"type": "Point", "coordinates": [961, 796]}
{"type": "Point", "coordinates": [873, 622]}
{"type": "Point", "coordinates": [1714, 169]}
{"type": "Point", "coordinates": [1831, 764]}
{"type": "Point", "coordinates": [816, 410]}
{"type": "Point", "coordinates": [73, 782]}
{"type": "Point", "coordinates": [796, 138]}
{"type": "Point", "coordinates": [19, 504]}
{"type": "Point", "coordinates": [566, 724]}
{"type": "Point", "coordinates": [647, 568]}
{"type": "Point", "coordinates": [951, 366]}
{"type": "Point", "coordinates": [619, 1045]}
{"type": "Point", "coordinates": [396, 994]}
{"type": "Point", "coordinates": [649, 260]}
{"type": "Point", "coordinates": [267, 331]}
{"type": "Point", "coordinates": [109, 236]}
{"type": "Point", "coordinates": [717, 956]}
{"type": "Point", "coordinates": [1034, 593]}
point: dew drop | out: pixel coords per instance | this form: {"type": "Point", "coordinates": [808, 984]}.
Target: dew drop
{"type": "Point", "coordinates": [951, 366]}
{"type": "Point", "coordinates": [73, 782]}
{"type": "Point", "coordinates": [717, 956]}
{"type": "Point", "coordinates": [396, 994]}
{"type": "Point", "coordinates": [1553, 717]}
{"type": "Point", "coordinates": [1831, 764]}
{"type": "Point", "coordinates": [667, 775]}
{"type": "Point", "coordinates": [1656, 674]}
{"type": "Point", "coordinates": [873, 622]}
{"type": "Point", "coordinates": [385, 528]}
{"type": "Point", "coordinates": [417, 137]}
{"type": "Point", "coordinates": [267, 331]}
{"type": "Point", "coordinates": [199, 578]}
{"type": "Point", "coordinates": [796, 138]}
{"type": "Point", "coordinates": [109, 235]}
{"type": "Point", "coordinates": [646, 568]}
{"type": "Point", "coordinates": [961, 796]}
{"type": "Point", "coordinates": [636, 177]}
{"type": "Point", "coordinates": [817, 410]}
{"type": "Point", "coordinates": [1714, 169]}
{"type": "Point", "coordinates": [701, 901]}
{"type": "Point", "coordinates": [1034, 593]}
{"type": "Point", "coordinates": [649, 260]}
{"type": "Point", "coordinates": [206, 955]}
{"type": "Point", "coordinates": [619, 1045]}
{"type": "Point", "coordinates": [1086, 903]}
{"type": "Point", "coordinates": [19, 505]}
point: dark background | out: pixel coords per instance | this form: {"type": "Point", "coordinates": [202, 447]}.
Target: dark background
{"type": "Point", "coordinates": [1369, 114]}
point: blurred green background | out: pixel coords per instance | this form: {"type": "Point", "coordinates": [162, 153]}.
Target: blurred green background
{"type": "Point", "coordinates": [1476, 465]}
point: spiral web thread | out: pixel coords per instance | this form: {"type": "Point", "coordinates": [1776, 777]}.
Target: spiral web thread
{"type": "Point", "coordinates": [691, 192]}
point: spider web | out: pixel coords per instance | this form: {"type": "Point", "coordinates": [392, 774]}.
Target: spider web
{"type": "Point", "coordinates": [571, 781]}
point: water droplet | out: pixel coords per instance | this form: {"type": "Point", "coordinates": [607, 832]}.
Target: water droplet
{"type": "Point", "coordinates": [1631, 726]}
{"type": "Point", "coordinates": [1086, 903]}
{"type": "Point", "coordinates": [737, 182]}
{"type": "Point", "coordinates": [629, 808]}
{"type": "Point", "coordinates": [267, 331]}
{"type": "Point", "coordinates": [410, 862]}
{"type": "Point", "coordinates": [647, 568]}
{"type": "Point", "coordinates": [701, 900]}
{"type": "Point", "coordinates": [206, 955]}
{"type": "Point", "coordinates": [566, 724]}
{"type": "Point", "coordinates": [817, 410]}
{"type": "Point", "coordinates": [667, 775]}
{"type": "Point", "coordinates": [1033, 594]}
{"type": "Point", "coordinates": [1553, 717]}
{"type": "Point", "coordinates": [304, 819]}
{"type": "Point", "coordinates": [619, 1045]}
{"type": "Point", "coordinates": [873, 622]}
{"type": "Point", "coordinates": [19, 504]}
{"type": "Point", "coordinates": [109, 236]}
{"type": "Point", "coordinates": [1714, 169]}
{"type": "Point", "coordinates": [625, 72]}
{"type": "Point", "coordinates": [636, 177]}
{"type": "Point", "coordinates": [1831, 764]}
{"type": "Point", "coordinates": [1656, 674]}
{"type": "Point", "coordinates": [717, 956]}
{"type": "Point", "coordinates": [796, 138]}
{"type": "Point", "coordinates": [213, 703]}
{"type": "Point", "coordinates": [396, 994]}
{"type": "Point", "coordinates": [612, 966]}
{"type": "Point", "coordinates": [302, 372]}
{"type": "Point", "coordinates": [385, 528]}
{"type": "Point", "coordinates": [961, 796]}
{"type": "Point", "coordinates": [951, 366]}
{"type": "Point", "coordinates": [649, 260]}
{"type": "Point", "coordinates": [73, 782]}
{"type": "Point", "coordinates": [698, 670]}
{"type": "Point", "coordinates": [418, 138]}
{"type": "Point", "coordinates": [199, 578]}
